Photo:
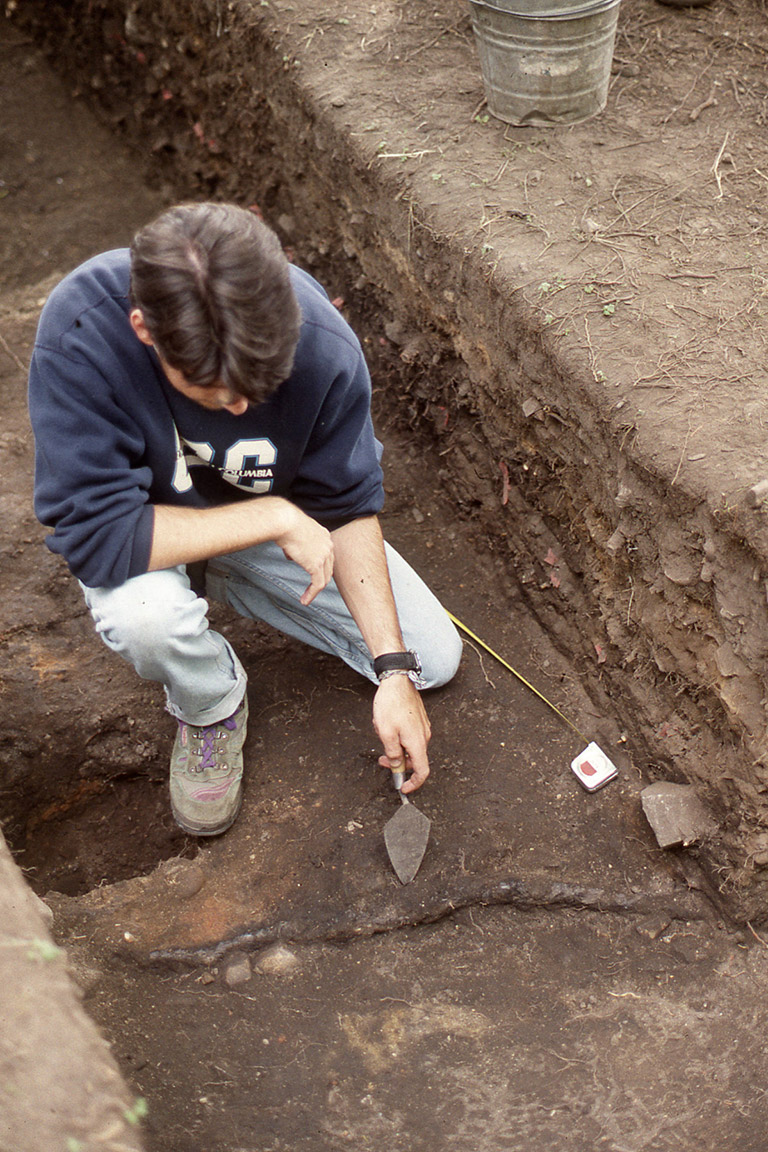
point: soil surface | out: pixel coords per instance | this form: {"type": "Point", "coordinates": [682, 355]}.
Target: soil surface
{"type": "Point", "coordinates": [573, 316]}
{"type": "Point", "coordinates": [552, 977]}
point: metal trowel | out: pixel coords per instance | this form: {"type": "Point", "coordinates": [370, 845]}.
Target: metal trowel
{"type": "Point", "coordinates": [406, 835]}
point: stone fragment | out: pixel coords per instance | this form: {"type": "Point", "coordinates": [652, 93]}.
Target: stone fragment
{"type": "Point", "coordinates": [757, 494]}
{"type": "Point", "coordinates": [653, 926]}
{"type": "Point", "coordinates": [615, 542]}
{"type": "Point", "coordinates": [185, 878]}
{"type": "Point", "coordinates": [277, 961]}
{"type": "Point", "coordinates": [238, 970]}
{"type": "Point", "coordinates": [625, 496]}
{"type": "Point", "coordinates": [675, 814]}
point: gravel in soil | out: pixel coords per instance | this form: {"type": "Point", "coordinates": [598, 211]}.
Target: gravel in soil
{"type": "Point", "coordinates": [493, 1030]}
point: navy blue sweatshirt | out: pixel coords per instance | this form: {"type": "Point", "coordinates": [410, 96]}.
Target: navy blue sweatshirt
{"type": "Point", "coordinates": [113, 437]}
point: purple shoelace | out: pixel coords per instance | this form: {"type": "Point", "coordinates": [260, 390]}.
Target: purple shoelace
{"type": "Point", "coordinates": [208, 737]}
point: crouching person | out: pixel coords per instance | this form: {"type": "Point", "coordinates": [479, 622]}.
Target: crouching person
{"type": "Point", "coordinates": [202, 424]}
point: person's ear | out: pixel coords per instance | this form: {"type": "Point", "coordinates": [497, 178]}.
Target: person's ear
{"type": "Point", "coordinates": [136, 318]}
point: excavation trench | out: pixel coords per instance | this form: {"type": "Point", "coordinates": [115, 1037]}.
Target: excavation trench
{"type": "Point", "coordinates": [552, 978]}
{"type": "Point", "coordinates": [566, 460]}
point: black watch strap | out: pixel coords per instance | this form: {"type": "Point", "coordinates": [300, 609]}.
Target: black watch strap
{"type": "Point", "coordinates": [396, 662]}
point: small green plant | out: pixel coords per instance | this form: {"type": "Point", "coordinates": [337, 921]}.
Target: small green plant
{"type": "Point", "coordinates": [589, 289]}
{"type": "Point", "coordinates": [482, 118]}
{"type": "Point", "coordinates": [609, 309]}
{"type": "Point", "coordinates": [547, 288]}
{"type": "Point", "coordinates": [43, 950]}
{"type": "Point", "coordinates": [138, 1112]}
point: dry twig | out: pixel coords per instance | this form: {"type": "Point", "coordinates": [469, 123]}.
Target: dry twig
{"type": "Point", "coordinates": [6, 348]}
{"type": "Point", "coordinates": [758, 938]}
{"type": "Point", "coordinates": [710, 102]}
{"type": "Point", "coordinates": [688, 435]}
{"type": "Point", "coordinates": [716, 167]}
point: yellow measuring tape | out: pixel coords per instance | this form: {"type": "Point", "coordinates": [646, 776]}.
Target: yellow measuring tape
{"type": "Point", "coordinates": [522, 679]}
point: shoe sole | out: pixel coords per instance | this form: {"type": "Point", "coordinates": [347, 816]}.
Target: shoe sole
{"type": "Point", "coordinates": [202, 831]}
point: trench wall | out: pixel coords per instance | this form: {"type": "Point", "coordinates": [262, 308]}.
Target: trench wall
{"type": "Point", "coordinates": [660, 592]}
{"type": "Point", "coordinates": [60, 1087]}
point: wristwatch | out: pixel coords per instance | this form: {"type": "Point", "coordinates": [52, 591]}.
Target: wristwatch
{"type": "Point", "coordinates": [398, 664]}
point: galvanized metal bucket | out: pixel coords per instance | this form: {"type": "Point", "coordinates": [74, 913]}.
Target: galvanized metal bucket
{"type": "Point", "coordinates": [545, 62]}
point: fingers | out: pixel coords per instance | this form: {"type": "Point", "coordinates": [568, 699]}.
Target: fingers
{"type": "Point", "coordinates": [320, 578]}
{"type": "Point", "coordinates": [419, 772]}
{"type": "Point", "coordinates": [310, 546]}
{"type": "Point", "coordinates": [413, 760]}
{"type": "Point", "coordinates": [312, 590]}
{"type": "Point", "coordinates": [403, 728]}
{"type": "Point", "coordinates": [405, 764]}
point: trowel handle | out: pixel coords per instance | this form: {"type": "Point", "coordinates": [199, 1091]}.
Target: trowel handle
{"type": "Point", "coordinates": [398, 779]}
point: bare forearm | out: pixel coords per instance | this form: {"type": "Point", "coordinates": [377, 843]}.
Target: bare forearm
{"type": "Point", "coordinates": [362, 577]}
{"type": "Point", "coordinates": [361, 574]}
{"type": "Point", "coordinates": [183, 535]}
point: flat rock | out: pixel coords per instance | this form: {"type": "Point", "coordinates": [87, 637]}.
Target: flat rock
{"type": "Point", "coordinates": [676, 814]}
{"type": "Point", "coordinates": [237, 971]}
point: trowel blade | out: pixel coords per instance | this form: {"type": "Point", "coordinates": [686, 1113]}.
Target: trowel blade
{"type": "Point", "coordinates": [406, 835]}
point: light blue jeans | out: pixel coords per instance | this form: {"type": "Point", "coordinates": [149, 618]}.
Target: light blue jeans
{"type": "Point", "coordinates": [160, 625]}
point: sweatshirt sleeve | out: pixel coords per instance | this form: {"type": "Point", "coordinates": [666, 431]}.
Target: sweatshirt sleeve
{"type": "Point", "coordinates": [340, 478]}
{"type": "Point", "coordinates": [90, 485]}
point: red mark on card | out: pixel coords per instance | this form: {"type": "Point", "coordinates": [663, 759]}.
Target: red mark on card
{"type": "Point", "coordinates": [586, 769]}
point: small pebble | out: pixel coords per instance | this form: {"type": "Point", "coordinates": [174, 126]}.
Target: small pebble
{"type": "Point", "coordinates": [277, 961]}
{"type": "Point", "coordinates": [237, 971]}
{"type": "Point", "coordinates": [185, 878]}
{"type": "Point", "coordinates": [653, 926]}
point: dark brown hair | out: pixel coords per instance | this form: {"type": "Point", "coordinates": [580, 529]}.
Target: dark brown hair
{"type": "Point", "coordinates": [213, 286]}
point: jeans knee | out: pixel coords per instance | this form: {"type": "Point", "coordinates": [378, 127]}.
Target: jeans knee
{"type": "Point", "coordinates": [441, 658]}
{"type": "Point", "coordinates": [147, 616]}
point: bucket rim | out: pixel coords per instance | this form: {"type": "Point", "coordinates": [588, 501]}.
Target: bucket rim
{"type": "Point", "coordinates": [591, 8]}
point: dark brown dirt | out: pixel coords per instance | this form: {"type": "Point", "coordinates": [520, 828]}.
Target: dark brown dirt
{"type": "Point", "coordinates": [606, 1001]}
{"type": "Point", "coordinates": [573, 314]}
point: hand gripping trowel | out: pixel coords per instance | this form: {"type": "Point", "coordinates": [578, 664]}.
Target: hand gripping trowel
{"type": "Point", "coordinates": [406, 835]}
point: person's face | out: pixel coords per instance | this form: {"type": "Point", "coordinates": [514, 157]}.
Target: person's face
{"type": "Point", "coordinates": [215, 398]}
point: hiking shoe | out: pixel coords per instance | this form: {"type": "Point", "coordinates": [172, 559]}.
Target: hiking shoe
{"type": "Point", "coordinates": [207, 773]}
